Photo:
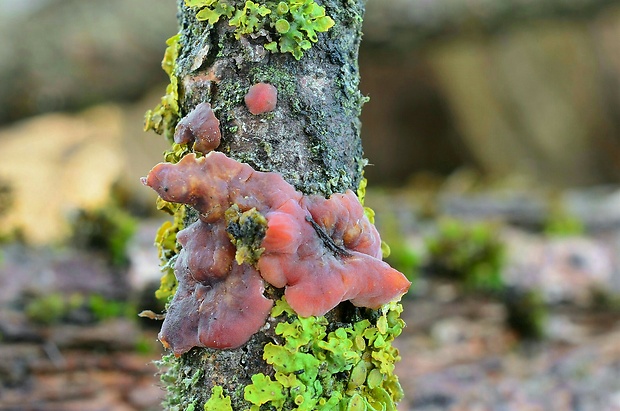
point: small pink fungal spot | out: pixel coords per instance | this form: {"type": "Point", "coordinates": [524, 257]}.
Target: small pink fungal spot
{"type": "Point", "coordinates": [261, 98]}
{"type": "Point", "coordinates": [201, 127]}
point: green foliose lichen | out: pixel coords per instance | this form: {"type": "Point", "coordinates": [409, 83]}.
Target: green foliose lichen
{"type": "Point", "coordinates": [164, 117]}
{"type": "Point", "coordinates": [350, 368]}
{"type": "Point", "coordinates": [293, 24]}
{"type": "Point", "coordinates": [218, 401]}
{"type": "Point", "coordinates": [168, 248]}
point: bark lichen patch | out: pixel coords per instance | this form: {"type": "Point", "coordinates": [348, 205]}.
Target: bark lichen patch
{"type": "Point", "coordinates": [289, 26]}
{"type": "Point", "coordinates": [314, 369]}
{"type": "Point", "coordinates": [246, 231]}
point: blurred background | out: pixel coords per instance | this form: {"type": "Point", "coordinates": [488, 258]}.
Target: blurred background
{"type": "Point", "coordinates": [493, 135]}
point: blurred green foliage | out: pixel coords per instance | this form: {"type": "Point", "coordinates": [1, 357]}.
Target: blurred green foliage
{"type": "Point", "coordinates": [397, 251]}
{"type": "Point", "coordinates": [104, 309]}
{"type": "Point", "coordinates": [471, 253]}
{"type": "Point", "coordinates": [57, 307]}
{"type": "Point", "coordinates": [526, 313]}
{"type": "Point", "coordinates": [561, 223]}
{"type": "Point", "coordinates": [107, 229]}
{"type": "Point", "coordinates": [47, 309]}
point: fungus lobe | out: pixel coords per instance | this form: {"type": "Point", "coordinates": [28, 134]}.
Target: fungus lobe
{"type": "Point", "coordinates": [322, 251]}
{"type": "Point", "coordinates": [261, 98]}
{"type": "Point", "coordinates": [201, 127]}
{"type": "Point", "coordinates": [218, 303]}
{"type": "Point", "coordinates": [325, 251]}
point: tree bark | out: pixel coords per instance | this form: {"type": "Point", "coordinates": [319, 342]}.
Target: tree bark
{"type": "Point", "coordinates": [312, 138]}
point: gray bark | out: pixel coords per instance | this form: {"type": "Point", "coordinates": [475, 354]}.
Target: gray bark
{"type": "Point", "coordinates": [313, 136]}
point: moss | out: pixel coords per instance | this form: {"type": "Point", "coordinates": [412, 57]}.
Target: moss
{"type": "Point", "coordinates": [48, 309]}
{"type": "Point", "coordinates": [178, 379]}
{"type": "Point", "coordinates": [231, 92]}
{"type": "Point", "coordinates": [57, 307]}
{"type": "Point", "coordinates": [293, 24]}
{"type": "Point", "coordinates": [315, 369]}
{"type": "Point", "coordinates": [103, 308]}
{"type": "Point", "coordinates": [562, 223]}
{"type": "Point", "coordinates": [282, 79]}
{"type": "Point", "coordinates": [526, 313]}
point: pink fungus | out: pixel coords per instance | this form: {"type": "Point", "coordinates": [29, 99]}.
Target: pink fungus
{"type": "Point", "coordinates": [218, 303]}
{"type": "Point", "coordinates": [200, 127]}
{"type": "Point", "coordinates": [213, 183]}
{"type": "Point", "coordinates": [261, 98]}
{"type": "Point", "coordinates": [322, 251]}
{"type": "Point", "coordinates": [336, 256]}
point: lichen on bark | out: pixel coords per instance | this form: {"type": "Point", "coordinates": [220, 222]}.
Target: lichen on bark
{"type": "Point", "coordinates": [312, 137]}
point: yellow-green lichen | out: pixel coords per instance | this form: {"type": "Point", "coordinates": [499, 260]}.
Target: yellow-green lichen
{"type": "Point", "coordinates": [370, 213]}
{"type": "Point", "coordinates": [293, 24]}
{"type": "Point", "coordinates": [348, 368]}
{"type": "Point", "coordinates": [246, 231]}
{"type": "Point", "coordinates": [177, 152]}
{"type": "Point", "coordinates": [168, 248]}
{"type": "Point", "coordinates": [163, 118]}
{"type": "Point", "coordinates": [218, 401]}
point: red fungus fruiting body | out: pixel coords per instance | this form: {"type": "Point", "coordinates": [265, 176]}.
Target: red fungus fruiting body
{"type": "Point", "coordinates": [218, 303]}
{"type": "Point", "coordinates": [261, 98]}
{"type": "Point", "coordinates": [322, 251]}
{"type": "Point", "coordinates": [325, 251]}
{"type": "Point", "coordinates": [213, 183]}
{"type": "Point", "coordinates": [200, 127]}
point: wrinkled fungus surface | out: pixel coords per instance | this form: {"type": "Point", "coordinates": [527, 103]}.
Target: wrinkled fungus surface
{"type": "Point", "coordinates": [261, 98]}
{"type": "Point", "coordinates": [325, 251]}
{"type": "Point", "coordinates": [218, 303]}
{"type": "Point", "coordinates": [200, 127]}
{"type": "Point", "coordinates": [322, 251]}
